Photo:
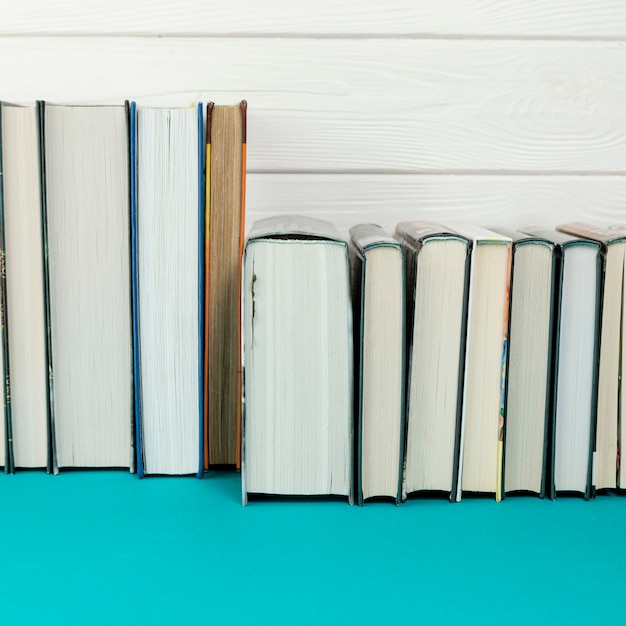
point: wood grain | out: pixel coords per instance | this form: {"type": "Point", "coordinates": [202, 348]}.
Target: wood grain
{"type": "Point", "coordinates": [486, 200]}
{"type": "Point", "coordinates": [361, 105]}
{"type": "Point", "coordinates": [474, 18]}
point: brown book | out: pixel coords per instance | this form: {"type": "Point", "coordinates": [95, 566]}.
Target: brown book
{"type": "Point", "coordinates": [226, 168]}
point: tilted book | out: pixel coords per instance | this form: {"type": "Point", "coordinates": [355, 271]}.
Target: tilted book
{"type": "Point", "coordinates": [298, 363]}
{"type": "Point", "coordinates": [482, 422]}
{"type": "Point", "coordinates": [529, 368]}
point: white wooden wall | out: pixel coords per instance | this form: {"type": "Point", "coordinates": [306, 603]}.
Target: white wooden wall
{"type": "Point", "coordinates": [494, 111]}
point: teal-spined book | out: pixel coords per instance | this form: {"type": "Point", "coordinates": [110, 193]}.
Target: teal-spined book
{"type": "Point", "coordinates": [378, 288]}
{"type": "Point", "coordinates": [298, 363]}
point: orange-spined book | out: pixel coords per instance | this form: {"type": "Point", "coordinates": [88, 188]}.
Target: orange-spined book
{"type": "Point", "coordinates": [225, 219]}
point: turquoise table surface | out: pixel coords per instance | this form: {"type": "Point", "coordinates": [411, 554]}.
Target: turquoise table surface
{"type": "Point", "coordinates": [108, 548]}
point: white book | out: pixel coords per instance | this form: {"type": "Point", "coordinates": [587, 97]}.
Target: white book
{"type": "Point", "coordinates": [168, 263]}
{"type": "Point", "coordinates": [88, 269]}
{"type": "Point", "coordinates": [297, 337]}
{"type": "Point", "coordinates": [25, 286]}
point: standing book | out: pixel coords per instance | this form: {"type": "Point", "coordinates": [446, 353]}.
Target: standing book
{"type": "Point", "coordinates": [610, 428]}
{"type": "Point", "coordinates": [438, 285]}
{"type": "Point", "coordinates": [225, 197]}
{"type": "Point", "coordinates": [575, 361]}
{"type": "Point", "coordinates": [167, 154]}
{"type": "Point", "coordinates": [529, 384]}
{"type": "Point", "coordinates": [378, 284]}
{"type": "Point", "coordinates": [87, 275]}
{"type": "Point", "coordinates": [482, 422]}
{"type": "Point", "coordinates": [298, 362]}
{"type": "Point", "coordinates": [24, 306]}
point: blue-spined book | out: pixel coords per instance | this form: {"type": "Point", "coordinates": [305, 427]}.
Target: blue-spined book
{"type": "Point", "coordinates": [167, 237]}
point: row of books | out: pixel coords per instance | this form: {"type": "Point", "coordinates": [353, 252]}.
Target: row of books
{"type": "Point", "coordinates": [483, 361]}
{"type": "Point", "coordinates": [121, 237]}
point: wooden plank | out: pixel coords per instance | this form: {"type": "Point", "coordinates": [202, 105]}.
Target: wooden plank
{"type": "Point", "coordinates": [361, 105]}
{"type": "Point", "coordinates": [486, 200]}
{"type": "Point", "coordinates": [473, 18]}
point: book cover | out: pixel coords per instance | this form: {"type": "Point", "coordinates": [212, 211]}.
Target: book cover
{"type": "Point", "coordinates": [417, 236]}
{"type": "Point", "coordinates": [364, 238]}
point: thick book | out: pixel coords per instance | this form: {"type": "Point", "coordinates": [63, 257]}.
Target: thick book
{"type": "Point", "coordinates": [225, 211]}
{"type": "Point", "coordinates": [482, 420]}
{"type": "Point", "coordinates": [575, 361]}
{"type": "Point", "coordinates": [167, 190]}
{"type": "Point", "coordinates": [610, 428]}
{"type": "Point", "coordinates": [437, 295]}
{"type": "Point", "coordinates": [298, 362]}
{"type": "Point", "coordinates": [23, 307]}
{"type": "Point", "coordinates": [378, 295]}
{"type": "Point", "coordinates": [528, 382]}
{"type": "Point", "coordinates": [86, 213]}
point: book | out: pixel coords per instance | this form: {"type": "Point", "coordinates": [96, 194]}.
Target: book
{"type": "Point", "coordinates": [482, 420]}
{"type": "Point", "coordinates": [167, 189]}
{"type": "Point", "coordinates": [298, 364]}
{"type": "Point", "coordinates": [378, 295]}
{"type": "Point", "coordinates": [23, 307]}
{"type": "Point", "coordinates": [575, 360]}
{"type": "Point", "coordinates": [438, 287]}
{"type": "Point", "coordinates": [226, 177]}
{"type": "Point", "coordinates": [610, 429]}
{"type": "Point", "coordinates": [529, 369]}
{"type": "Point", "coordinates": [6, 439]}
{"type": "Point", "coordinates": [87, 279]}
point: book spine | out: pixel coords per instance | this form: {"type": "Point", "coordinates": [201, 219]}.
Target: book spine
{"type": "Point", "coordinates": [9, 466]}
{"type": "Point", "coordinates": [503, 377]}
{"type": "Point", "coordinates": [52, 453]}
{"type": "Point", "coordinates": [201, 284]}
{"type": "Point", "coordinates": [135, 291]}
{"type": "Point", "coordinates": [456, 476]}
{"type": "Point", "coordinates": [244, 144]}
{"type": "Point", "coordinates": [133, 451]}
